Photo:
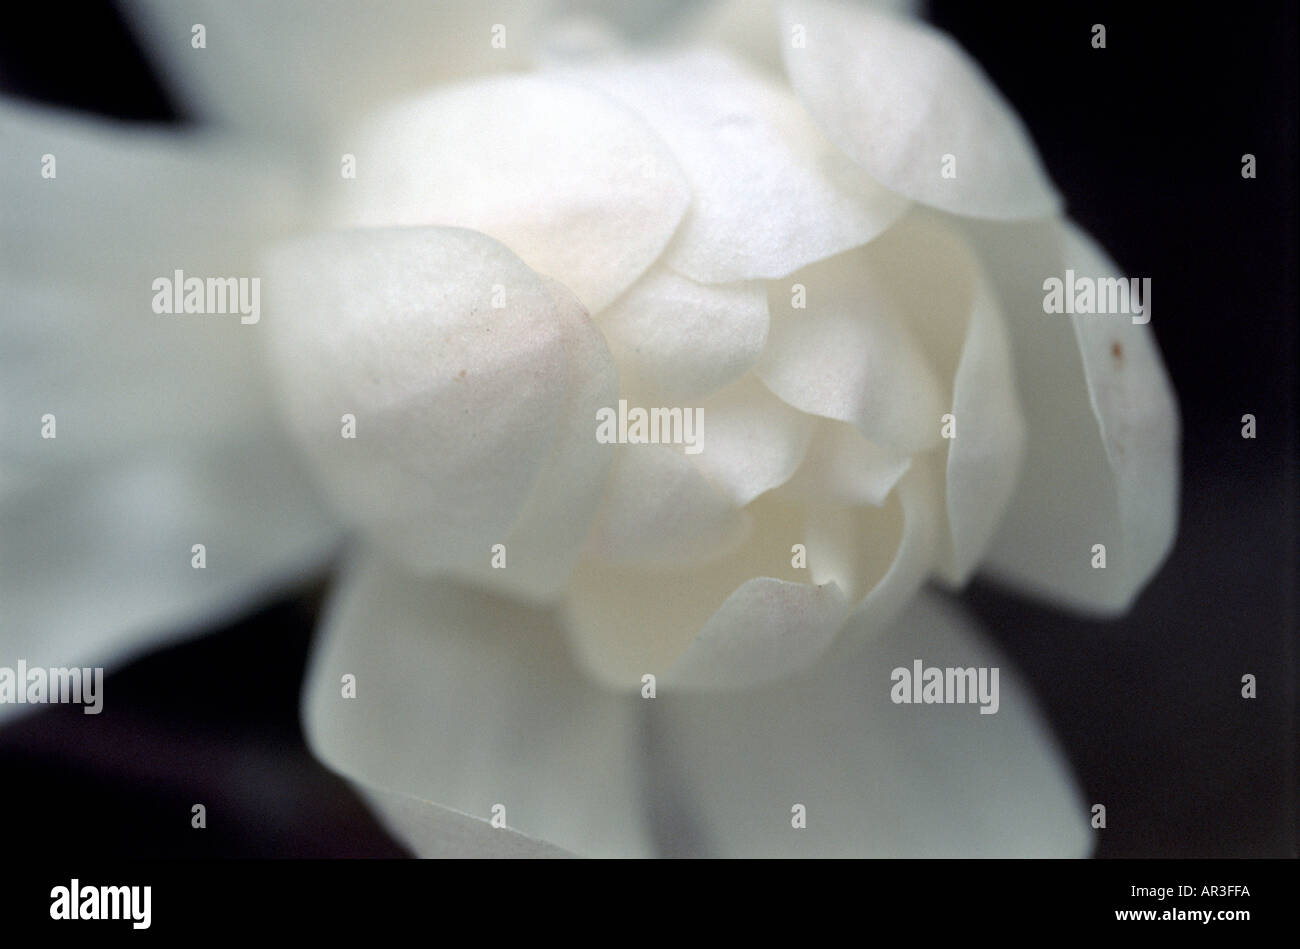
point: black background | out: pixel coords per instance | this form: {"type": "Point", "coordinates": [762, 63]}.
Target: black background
{"type": "Point", "coordinates": [1145, 139]}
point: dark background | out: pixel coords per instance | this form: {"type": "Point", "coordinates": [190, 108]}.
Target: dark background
{"type": "Point", "coordinates": [1145, 140]}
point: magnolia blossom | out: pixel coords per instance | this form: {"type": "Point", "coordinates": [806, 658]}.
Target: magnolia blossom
{"type": "Point", "coordinates": [813, 230]}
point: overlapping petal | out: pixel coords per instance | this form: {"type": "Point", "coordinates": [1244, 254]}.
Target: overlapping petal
{"type": "Point", "coordinates": [576, 185]}
{"type": "Point", "coordinates": [901, 99]}
{"type": "Point", "coordinates": [874, 778]}
{"type": "Point", "coordinates": [769, 193]}
{"type": "Point", "coordinates": [1101, 461]}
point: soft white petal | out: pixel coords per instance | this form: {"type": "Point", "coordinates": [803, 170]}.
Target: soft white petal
{"type": "Point", "coordinates": [850, 354]}
{"type": "Point", "coordinates": [876, 779]}
{"type": "Point", "coordinates": [659, 510]}
{"type": "Point", "coordinates": [898, 96]}
{"type": "Point", "coordinates": [754, 615]}
{"type": "Point", "coordinates": [751, 28]}
{"type": "Point", "coordinates": [769, 193]}
{"type": "Point", "coordinates": [457, 402]}
{"type": "Point", "coordinates": [1103, 430]}
{"type": "Point", "coordinates": [297, 66]}
{"type": "Point", "coordinates": [841, 468]}
{"type": "Point", "coordinates": [544, 544]}
{"type": "Point", "coordinates": [767, 629]}
{"type": "Point", "coordinates": [97, 560]}
{"type": "Point", "coordinates": [676, 340]}
{"type": "Point", "coordinates": [467, 701]}
{"type": "Point", "coordinates": [574, 184]}
{"type": "Point", "coordinates": [950, 305]}
{"type": "Point", "coordinates": [165, 436]}
{"type": "Point", "coordinates": [753, 441]}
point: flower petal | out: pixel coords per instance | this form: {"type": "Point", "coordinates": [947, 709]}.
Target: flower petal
{"type": "Point", "coordinates": [469, 701]}
{"type": "Point", "coordinates": [162, 438]}
{"type": "Point", "coordinates": [97, 561]}
{"type": "Point", "coordinates": [296, 66]}
{"type": "Point", "coordinates": [757, 614]}
{"type": "Point", "coordinates": [850, 355]}
{"type": "Point", "coordinates": [575, 185]}
{"type": "Point", "coordinates": [841, 468]}
{"type": "Point", "coordinates": [755, 442]}
{"type": "Point", "coordinates": [900, 98]}
{"type": "Point", "coordinates": [457, 401]}
{"type": "Point", "coordinates": [675, 339]}
{"type": "Point", "coordinates": [938, 281]}
{"type": "Point", "coordinates": [544, 544]}
{"type": "Point", "coordinates": [659, 510]}
{"type": "Point", "coordinates": [770, 194]}
{"type": "Point", "coordinates": [1103, 430]}
{"type": "Point", "coordinates": [876, 779]}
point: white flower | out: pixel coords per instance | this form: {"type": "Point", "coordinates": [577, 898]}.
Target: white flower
{"type": "Point", "coordinates": [755, 217]}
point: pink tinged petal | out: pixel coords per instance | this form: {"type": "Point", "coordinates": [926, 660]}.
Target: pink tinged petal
{"type": "Point", "coordinates": [952, 308]}
{"type": "Point", "coordinates": [1103, 430]}
{"type": "Point", "coordinates": [675, 339]}
{"type": "Point", "coordinates": [575, 185]}
{"type": "Point", "coordinates": [770, 194]}
{"type": "Point", "coordinates": [660, 511]}
{"type": "Point", "coordinates": [296, 66]}
{"type": "Point", "coordinates": [875, 779]}
{"type": "Point", "coordinates": [850, 354]}
{"type": "Point", "coordinates": [466, 701]}
{"type": "Point", "coordinates": [458, 403]}
{"type": "Point", "coordinates": [753, 441]}
{"type": "Point", "coordinates": [544, 544]}
{"type": "Point", "coordinates": [898, 97]}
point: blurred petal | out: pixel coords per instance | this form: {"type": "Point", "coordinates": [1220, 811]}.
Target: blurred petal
{"type": "Point", "coordinates": [876, 779]}
{"type": "Point", "coordinates": [675, 339]}
{"type": "Point", "coordinates": [769, 193]}
{"type": "Point", "coordinates": [96, 564]}
{"type": "Point", "coordinates": [458, 402]}
{"type": "Point", "coordinates": [164, 436]}
{"type": "Point", "coordinates": [433, 831]}
{"type": "Point", "coordinates": [850, 355]}
{"type": "Point", "coordinates": [575, 185]}
{"type": "Point", "coordinates": [465, 700]}
{"type": "Point", "coordinates": [898, 96]}
{"type": "Point", "coordinates": [1103, 430]}
{"type": "Point", "coordinates": [295, 66]}
{"type": "Point", "coordinates": [752, 29]}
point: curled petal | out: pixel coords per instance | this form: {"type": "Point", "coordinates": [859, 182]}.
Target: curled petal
{"type": "Point", "coordinates": [840, 347]}
{"type": "Point", "coordinates": [1103, 430]}
{"type": "Point", "coordinates": [902, 99]}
